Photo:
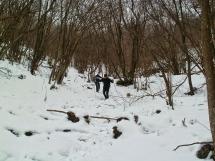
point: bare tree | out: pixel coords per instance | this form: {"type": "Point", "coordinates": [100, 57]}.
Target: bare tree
{"type": "Point", "coordinates": [208, 57]}
{"type": "Point", "coordinates": [42, 34]}
{"type": "Point", "coordinates": [124, 36]}
{"type": "Point", "coordinates": [134, 17]}
{"type": "Point", "coordinates": [15, 17]}
{"type": "Point", "coordinates": [75, 19]}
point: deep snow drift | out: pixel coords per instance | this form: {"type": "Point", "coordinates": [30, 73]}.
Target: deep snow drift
{"type": "Point", "coordinates": [23, 111]}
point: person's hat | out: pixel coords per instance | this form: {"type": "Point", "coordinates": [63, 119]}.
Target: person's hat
{"type": "Point", "coordinates": [105, 75]}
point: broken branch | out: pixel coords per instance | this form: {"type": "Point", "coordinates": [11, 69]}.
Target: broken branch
{"type": "Point", "coordinates": [73, 118]}
{"type": "Point", "coordinates": [192, 144]}
{"type": "Point", "coordinates": [57, 111]}
{"type": "Point", "coordinates": [183, 122]}
{"type": "Point", "coordinates": [100, 117]}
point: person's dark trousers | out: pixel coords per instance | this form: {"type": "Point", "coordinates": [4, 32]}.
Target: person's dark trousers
{"type": "Point", "coordinates": [106, 91]}
{"type": "Point", "coordinates": [97, 86]}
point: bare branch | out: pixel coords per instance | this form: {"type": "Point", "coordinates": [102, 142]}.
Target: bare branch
{"type": "Point", "coordinates": [57, 111]}
{"type": "Point", "coordinates": [192, 144]}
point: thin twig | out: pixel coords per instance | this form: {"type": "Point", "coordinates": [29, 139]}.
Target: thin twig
{"type": "Point", "coordinates": [203, 125]}
{"type": "Point", "coordinates": [3, 72]}
{"type": "Point", "coordinates": [108, 118]}
{"type": "Point", "coordinates": [183, 122]}
{"type": "Point", "coordinates": [192, 144]}
{"type": "Point", "coordinates": [179, 85]}
{"type": "Point", "coordinates": [57, 111]}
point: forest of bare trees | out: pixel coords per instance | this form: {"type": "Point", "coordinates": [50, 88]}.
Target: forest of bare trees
{"type": "Point", "coordinates": [127, 38]}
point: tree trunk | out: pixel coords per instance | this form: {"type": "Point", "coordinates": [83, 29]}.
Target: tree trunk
{"type": "Point", "coordinates": [208, 60]}
{"type": "Point", "coordinates": [166, 80]}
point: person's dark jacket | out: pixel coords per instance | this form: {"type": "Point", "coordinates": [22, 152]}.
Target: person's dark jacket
{"type": "Point", "coordinates": [106, 82]}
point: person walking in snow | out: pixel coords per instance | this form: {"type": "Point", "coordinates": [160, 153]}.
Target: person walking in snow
{"type": "Point", "coordinates": [106, 81]}
{"type": "Point", "coordinates": [97, 79]}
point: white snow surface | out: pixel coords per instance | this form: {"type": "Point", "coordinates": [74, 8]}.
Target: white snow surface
{"type": "Point", "coordinates": [24, 104]}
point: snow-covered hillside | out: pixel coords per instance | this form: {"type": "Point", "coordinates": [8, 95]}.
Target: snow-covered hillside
{"type": "Point", "coordinates": [29, 132]}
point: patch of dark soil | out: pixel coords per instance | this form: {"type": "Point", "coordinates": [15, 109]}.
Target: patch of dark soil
{"type": "Point", "coordinates": [84, 140]}
{"type": "Point", "coordinates": [53, 87]}
{"type": "Point", "coordinates": [13, 132]}
{"type": "Point", "coordinates": [87, 119]}
{"type": "Point", "coordinates": [204, 151]}
{"type": "Point", "coordinates": [136, 118]}
{"type": "Point", "coordinates": [72, 117]}
{"type": "Point", "coordinates": [44, 117]}
{"type": "Point", "coordinates": [29, 133]}
{"type": "Point", "coordinates": [66, 130]}
{"type": "Point", "coordinates": [124, 83]}
{"type": "Point", "coordinates": [158, 111]}
{"type": "Point", "coordinates": [128, 95]}
{"type": "Point", "coordinates": [11, 113]}
{"type": "Point", "coordinates": [21, 76]}
{"type": "Point", "coordinates": [192, 122]}
{"type": "Point", "coordinates": [116, 133]}
{"type": "Point", "coordinates": [190, 93]}
{"type": "Point", "coordinates": [122, 118]}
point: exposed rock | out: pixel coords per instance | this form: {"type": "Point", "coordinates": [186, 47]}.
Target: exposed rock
{"type": "Point", "coordinates": [136, 118]}
{"type": "Point", "coordinates": [87, 120]}
{"type": "Point", "coordinates": [13, 132]}
{"type": "Point", "coordinates": [158, 111]}
{"type": "Point", "coordinates": [204, 151]}
{"type": "Point", "coordinates": [22, 76]}
{"type": "Point", "coordinates": [122, 118]}
{"type": "Point", "coordinates": [128, 94]}
{"type": "Point", "coordinates": [53, 87]}
{"type": "Point", "coordinates": [72, 117]}
{"type": "Point", "coordinates": [66, 130]}
{"type": "Point", "coordinates": [29, 133]}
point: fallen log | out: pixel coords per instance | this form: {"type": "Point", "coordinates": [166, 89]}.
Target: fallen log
{"type": "Point", "coordinates": [70, 114]}
{"type": "Point", "coordinates": [101, 117]}
{"type": "Point", "coordinates": [57, 111]}
{"type": "Point", "coordinates": [72, 117]}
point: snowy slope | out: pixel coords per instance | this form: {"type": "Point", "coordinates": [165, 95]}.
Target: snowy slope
{"type": "Point", "coordinates": [23, 111]}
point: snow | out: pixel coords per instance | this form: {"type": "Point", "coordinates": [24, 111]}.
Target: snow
{"type": "Point", "coordinates": [24, 104]}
